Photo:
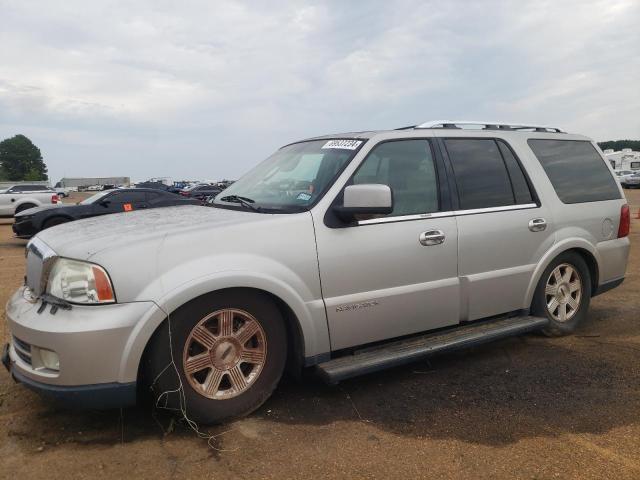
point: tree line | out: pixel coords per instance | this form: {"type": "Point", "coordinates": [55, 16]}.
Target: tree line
{"type": "Point", "coordinates": [21, 160]}
{"type": "Point", "coordinates": [620, 144]}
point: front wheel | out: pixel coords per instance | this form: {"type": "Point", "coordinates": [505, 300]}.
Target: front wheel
{"type": "Point", "coordinates": [563, 294]}
{"type": "Point", "coordinates": [229, 350]}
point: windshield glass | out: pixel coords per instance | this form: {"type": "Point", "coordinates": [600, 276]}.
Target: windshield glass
{"type": "Point", "coordinates": [293, 177]}
{"type": "Point", "coordinates": [94, 198]}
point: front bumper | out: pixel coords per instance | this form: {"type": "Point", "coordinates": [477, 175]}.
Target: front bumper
{"type": "Point", "coordinates": [23, 228]}
{"type": "Point", "coordinates": [95, 346]}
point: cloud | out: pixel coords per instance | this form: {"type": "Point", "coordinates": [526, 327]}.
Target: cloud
{"type": "Point", "coordinates": [207, 89]}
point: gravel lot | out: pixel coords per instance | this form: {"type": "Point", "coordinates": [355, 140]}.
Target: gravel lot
{"type": "Point", "coordinates": [528, 407]}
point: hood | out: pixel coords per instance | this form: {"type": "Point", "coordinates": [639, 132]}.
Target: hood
{"type": "Point", "coordinates": [32, 211]}
{"type": "Point", "coordinates": [84, 238]}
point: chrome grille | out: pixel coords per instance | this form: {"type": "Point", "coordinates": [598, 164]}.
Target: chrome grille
{"type": "Point", "coordinates": [23, 349]}
{"type": "Point", "coordinates": [39, 259]}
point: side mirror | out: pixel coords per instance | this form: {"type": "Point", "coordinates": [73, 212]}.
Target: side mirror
{"type": "Point", "coordinates": [365, 199]}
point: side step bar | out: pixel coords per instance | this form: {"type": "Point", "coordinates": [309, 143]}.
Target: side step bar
{"type": "Point", "coordinates": [408, 350]}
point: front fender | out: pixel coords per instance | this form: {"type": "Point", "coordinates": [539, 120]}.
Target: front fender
{"type": "Point", "coordinates": [309, 312]}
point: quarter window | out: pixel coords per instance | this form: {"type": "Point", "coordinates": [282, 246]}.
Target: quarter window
{"type": "Point", "coordinates": [521, 189]}
{"type": "Point", "coordinates": [407, 166]}
{"type": "Point", "coordinates": [481, 174]}
{"type": "Point", "coordinates": [576, 170]}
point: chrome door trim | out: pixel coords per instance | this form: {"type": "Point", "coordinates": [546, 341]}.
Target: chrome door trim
{"type": "Point", "coordinates": [451, 213]}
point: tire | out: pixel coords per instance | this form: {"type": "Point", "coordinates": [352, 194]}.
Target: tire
{"type": "Point", "coordinates": [52, 222]}
{"type": "Point", "coordinates": [25, 206]}
{"type": "Point", "coordinates": [564, 314]}
{"type": "Point", "coordinates": [217, 352]}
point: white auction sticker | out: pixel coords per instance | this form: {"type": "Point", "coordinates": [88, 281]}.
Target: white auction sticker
{"type": "Point", "coordinates": [344, 144]}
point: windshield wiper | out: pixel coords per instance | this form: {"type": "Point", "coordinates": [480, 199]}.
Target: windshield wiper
{"type": "Point", "coordinates": [244, 201]}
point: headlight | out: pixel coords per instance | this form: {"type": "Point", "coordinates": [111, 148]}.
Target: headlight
{"type": "Point", "coordinates": [79, 282]}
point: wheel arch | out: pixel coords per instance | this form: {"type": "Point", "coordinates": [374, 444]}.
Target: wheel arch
{"type": "Point", "coordinates": [24, 205]}
{"type": "Point", "coordinates": [298, 337]}
{"type": "Point", "coordinates": [581, 247]}
{"type": "Point", "coordinates": [53, 217]}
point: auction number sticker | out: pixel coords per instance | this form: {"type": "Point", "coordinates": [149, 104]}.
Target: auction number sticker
{"type": "Point", "coordinates": [343, 144]}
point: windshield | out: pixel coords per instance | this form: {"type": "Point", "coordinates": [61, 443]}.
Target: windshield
{"type": "Point", "coordinates": [94, 198]}
{"type": "Point", "coordinates": [293, 177]}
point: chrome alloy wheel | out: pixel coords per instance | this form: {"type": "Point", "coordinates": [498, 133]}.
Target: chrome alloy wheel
{"type": "Point", "coordinates": [563, 292]}
{"type": "Point", "coordinates": [224, 354]}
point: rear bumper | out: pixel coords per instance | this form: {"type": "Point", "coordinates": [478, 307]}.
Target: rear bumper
{"type": "Point", "coordinates": [605, 287]}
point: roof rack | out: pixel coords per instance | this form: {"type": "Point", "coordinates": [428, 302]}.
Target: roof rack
{"type": "Point", "coordinates": [460, 124]}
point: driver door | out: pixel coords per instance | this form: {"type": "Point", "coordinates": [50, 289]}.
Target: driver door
{"type": "Point", "coordinates": [380, 278]}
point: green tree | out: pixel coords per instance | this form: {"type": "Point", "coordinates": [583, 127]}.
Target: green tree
{"type": "Point", "coordinates": [620, 144]}
{"type": "Point", "coordinates": [20, 159]}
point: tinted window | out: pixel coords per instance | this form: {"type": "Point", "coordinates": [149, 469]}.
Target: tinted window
{"type": "Point", "coordinates": [30, 188]}
{"type": "Point", "coordinates": [576, 170]}
{"type": "Point", "coordinates": [521, 189]}
{"type": "Point", "coordinates": [126, 197]}
{"type": "Point", "coordinates": [635, 165]}
{"type": "Point", "coordinates": [155, 196]}
{"type": "Point", "coordinates": [480, 173]}
{"type": "Point", "coordinates": [408, 168]}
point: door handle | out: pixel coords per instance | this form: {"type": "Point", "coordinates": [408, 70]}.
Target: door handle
{"type": "Point", "coordinates": [537, 224]}
{"type": "Point", "coordinates": [432, 237]}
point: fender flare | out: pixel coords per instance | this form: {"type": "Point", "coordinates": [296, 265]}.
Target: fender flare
{"type": "Point", "coordinates": [314, 333]}
{"type": "Point", "coordinates": [552, 253]}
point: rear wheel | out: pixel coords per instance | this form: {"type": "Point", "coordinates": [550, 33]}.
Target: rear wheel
{"type": "Point", "coordinates": [563, 294]}
{"type": "Point", "coordinates": [24, 206]}
{"type": "Point", "coordinates": [229, 349]}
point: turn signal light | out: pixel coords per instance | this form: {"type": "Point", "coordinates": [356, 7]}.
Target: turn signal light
{"type": "Point", "coordinates": [625, 221]}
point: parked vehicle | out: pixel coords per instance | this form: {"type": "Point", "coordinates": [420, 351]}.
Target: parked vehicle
{"type": "Point", "coordinates": [621, 174]}
{"type": "Point", "coordinates": [29, 222]}
{"type": "Point", "coordinates": [630, 180]}
{"type": "Point", "coordinates": [21, 197]}
{"type": "Point", "coordinates": [346, 253]}
{"type": "Point", "coordinates": [159, 186]}
{"type": "Point", "coordinates": [201, 192]}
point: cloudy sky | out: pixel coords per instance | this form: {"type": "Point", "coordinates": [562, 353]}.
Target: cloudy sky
{"type": "Point", "coordinates": [206, 89]}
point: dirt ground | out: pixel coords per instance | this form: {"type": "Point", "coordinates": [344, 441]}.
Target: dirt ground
{"type": "Point", "coordinates": [528, 407]}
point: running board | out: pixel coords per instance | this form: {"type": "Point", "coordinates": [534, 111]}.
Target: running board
{"type": "Point", "coordinates": [408, 350]}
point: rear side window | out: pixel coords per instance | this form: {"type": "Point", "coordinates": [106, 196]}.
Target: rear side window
{"type": "Point", "coordinates": [126, 197]}
{"type": "Point", "coordinates": [482, 176]}
{"type": "Point", "coordinates": [576, 170]}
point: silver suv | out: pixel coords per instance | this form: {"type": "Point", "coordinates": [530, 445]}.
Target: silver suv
{"type": "Point", "coordinates": [347, 253]}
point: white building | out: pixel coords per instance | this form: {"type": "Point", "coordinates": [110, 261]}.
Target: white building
{"type": "Point", "coordinates": [625, 159]}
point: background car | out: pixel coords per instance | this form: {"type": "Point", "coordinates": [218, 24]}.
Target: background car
{"type": "Point", "coordinates": [623, 175]}
{"type": "Point", "coordinates": [201, 192]}
{"type": "Point", "coordinates": [631, 181]}
{"type": "Point", "coordinates": [30, 222]}
{"type": "Point", "coordinates": [18, 198]}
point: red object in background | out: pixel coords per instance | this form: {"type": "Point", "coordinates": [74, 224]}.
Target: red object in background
{"type": "Point", "coordinates": [625, 221]}
{"type": "Point", "coordinates": [55, 198]}
{"type": "Point", "coordinates": [127, 207]}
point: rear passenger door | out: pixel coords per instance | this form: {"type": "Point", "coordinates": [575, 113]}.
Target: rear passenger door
{"type": "Point", "coordinates": [503, 229]}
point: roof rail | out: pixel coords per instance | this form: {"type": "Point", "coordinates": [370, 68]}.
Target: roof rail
{"type": "Point", "coordinates": [460, 124]}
